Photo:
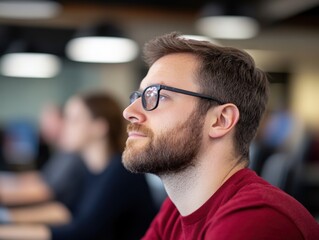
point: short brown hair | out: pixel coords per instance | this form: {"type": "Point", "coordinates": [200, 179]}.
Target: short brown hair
{"type": "Point", "coordinates": [106, 108]}
{"type": "Point", "coordinates": [225, 73]}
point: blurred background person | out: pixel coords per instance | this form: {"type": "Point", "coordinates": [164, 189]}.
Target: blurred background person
{"type": "Point", "coordinates": [56, 166]}
{"type": "Point", "coordinates": [42, 146]}
{"type": "Point", "coordinates": [50, 127]}
{"type": "Point", "coordinates": [113, 204]}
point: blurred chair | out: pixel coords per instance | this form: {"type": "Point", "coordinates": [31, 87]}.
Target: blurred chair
{"type": "Point", "coordinates": [307, 178]}
{"type": "Point", "coordinates": [292, 172]}
{"type": "Point", "coordinates": [279, 132]}
{"type": "Point", "coordinates": [275, 170]}
{"type": "Point", "coordinates": [285, 169]}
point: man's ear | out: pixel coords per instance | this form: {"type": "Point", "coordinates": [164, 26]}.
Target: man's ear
{"type": "Point", "coordinates": [224, 118]}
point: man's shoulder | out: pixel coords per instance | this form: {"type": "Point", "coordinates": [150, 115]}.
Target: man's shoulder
{"type": "Point", "coordinates": [254, 223]}
{"type": "Point", "coordinates": [260, 201]}
{"type": "Point", "coordinates": [248, 189]}
{"type": "Point", "coordinates": [256, 192]}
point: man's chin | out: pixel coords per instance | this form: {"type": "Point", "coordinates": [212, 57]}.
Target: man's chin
{"type": "Point", "coordinates": [130, 155]}
{"type": "Point", "coordinates": [129, 163]}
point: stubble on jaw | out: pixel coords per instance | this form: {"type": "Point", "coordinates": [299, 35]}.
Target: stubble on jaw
{"type": "Point", "coordinates": [172, 151]}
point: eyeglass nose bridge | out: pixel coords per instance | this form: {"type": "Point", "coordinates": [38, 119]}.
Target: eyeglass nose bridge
{"type": "Point", "coordinates": [134, 96]}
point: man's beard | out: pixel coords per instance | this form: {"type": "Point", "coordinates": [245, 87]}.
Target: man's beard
{"type": "Point", "coordinates": [171, 152]}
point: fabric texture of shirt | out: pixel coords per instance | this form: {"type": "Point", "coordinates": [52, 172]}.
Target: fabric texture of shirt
{"type": "Point", "coordinates": [244, 207]}
{"type": "Point", "coordinates": [65, 173]}
{"type": "Point", "coordinates": [114, 205]}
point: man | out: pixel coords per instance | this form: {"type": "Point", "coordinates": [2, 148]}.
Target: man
{"type": "Point", "coordinates": [191, 123]}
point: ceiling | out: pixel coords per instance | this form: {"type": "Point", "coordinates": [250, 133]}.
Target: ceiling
{"type": "Point", "coordinates": [300, 12]}
{"type": "Point", "coordinates": [275, 10]}
{"type": "Point", "coordinates": [286, 24]}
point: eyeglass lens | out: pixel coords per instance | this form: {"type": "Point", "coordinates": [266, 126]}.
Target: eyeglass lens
{"type": "Point", "coordinates": [150, 98]}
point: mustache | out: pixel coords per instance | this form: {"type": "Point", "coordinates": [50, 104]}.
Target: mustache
{"type": "Point", "coordinates": [134, 127]}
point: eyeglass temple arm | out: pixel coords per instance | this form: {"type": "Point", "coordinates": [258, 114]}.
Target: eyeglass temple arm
{"type": "Point", "coordinates": [190, 93]}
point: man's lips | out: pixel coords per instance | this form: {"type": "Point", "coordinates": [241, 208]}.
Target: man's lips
{"type": "Point", "coordinates": [136, 135]}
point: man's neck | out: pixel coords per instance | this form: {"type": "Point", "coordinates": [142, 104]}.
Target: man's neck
{"type": "Point", "coordinates": [96, 156]}
{"type": "Point", "coordinates": [191, 188]}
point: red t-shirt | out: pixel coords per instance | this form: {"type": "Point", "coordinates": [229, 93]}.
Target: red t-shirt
{"type": "Point", "coordinates": [244, 207]}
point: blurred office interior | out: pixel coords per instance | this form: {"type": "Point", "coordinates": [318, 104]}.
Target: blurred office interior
{"type": "Point", "coordinates": [43, 61]}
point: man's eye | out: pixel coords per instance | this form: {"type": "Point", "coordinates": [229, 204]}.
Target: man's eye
{"type": "Point", "coordinates": [163, 97]}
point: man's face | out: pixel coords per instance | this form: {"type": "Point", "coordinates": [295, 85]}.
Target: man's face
{"type": "Point", "coordinates": [78, 124]}
{"type": "Point", "coordinates": [168, 138]}
{"type": "Point", "coordinates": [51, 124]}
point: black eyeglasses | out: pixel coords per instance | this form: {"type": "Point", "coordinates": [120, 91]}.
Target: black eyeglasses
{"type": "Point", "coordinates": [151, 95]}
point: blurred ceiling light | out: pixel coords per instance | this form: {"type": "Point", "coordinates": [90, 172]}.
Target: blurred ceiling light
{"type": "Point", "coordinates": [29, 9]}
{"type": "Point", "coordinates": [102, 49]}
{"type": "Point", "coordinates": [101, 42]}
{"type": "Point", "coordinates": [228, 21]}
{"type": "Point", "coordinates": [228, 27]}
{"type": "Point", "coordinates": [200, 38]}
{"type": "Point", "coordinates": [30, 65]}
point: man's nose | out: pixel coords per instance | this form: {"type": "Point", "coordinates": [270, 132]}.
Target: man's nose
{"type": "Point", "coordinates": [134, 113]}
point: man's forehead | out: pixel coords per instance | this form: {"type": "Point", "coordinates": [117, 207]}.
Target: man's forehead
{"type": "Point", "coordinates": [178, 70]}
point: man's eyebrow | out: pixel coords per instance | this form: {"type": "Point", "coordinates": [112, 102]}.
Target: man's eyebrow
{"type": "Point", "coordinates": [159, 83]}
